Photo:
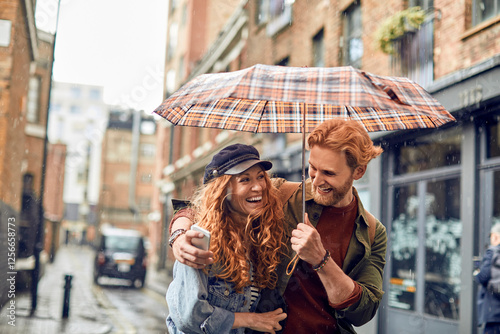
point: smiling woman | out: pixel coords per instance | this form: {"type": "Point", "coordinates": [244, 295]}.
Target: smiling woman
{"type": "Point", "coordinates": [240, 208]}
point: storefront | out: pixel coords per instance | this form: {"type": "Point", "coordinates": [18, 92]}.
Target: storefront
{"type": "Point", "coordinates": [441, 191]}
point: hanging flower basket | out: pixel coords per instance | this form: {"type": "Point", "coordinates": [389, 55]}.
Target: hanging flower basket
{"type": "Point", "coordinates": [394, 27]}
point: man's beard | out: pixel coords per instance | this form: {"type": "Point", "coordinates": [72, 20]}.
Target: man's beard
{"type": "Point", "coordinates": [334, 196]}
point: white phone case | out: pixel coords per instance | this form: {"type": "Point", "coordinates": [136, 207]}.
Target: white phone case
{"type": "Point", "coordinates": [203, 243]}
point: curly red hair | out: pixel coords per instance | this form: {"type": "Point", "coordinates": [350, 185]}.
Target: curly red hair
{"type": "Point", "coordinates": [260, 241]}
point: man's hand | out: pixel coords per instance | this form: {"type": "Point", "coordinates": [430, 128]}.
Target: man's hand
{"type": "Point", "coordinates": [268, 322]}
{"type": "Point", "coordinates": [186, 253]}
{"type": "Point", "coordinates": [306, 242]}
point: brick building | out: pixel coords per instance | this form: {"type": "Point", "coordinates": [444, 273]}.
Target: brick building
{"type": "Point", "coordinates": [128, 158]}
{"type": "Point", "coordinates": [440, 187]}
{"type": "Point", "coordinates": [26, 56]}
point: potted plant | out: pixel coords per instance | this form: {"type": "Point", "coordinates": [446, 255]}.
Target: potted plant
{"type": "Point", "coordinates": [397, 25]}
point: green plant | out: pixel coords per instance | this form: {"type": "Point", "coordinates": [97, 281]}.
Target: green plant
{"type": "Point", "coordinates": [398, 25]}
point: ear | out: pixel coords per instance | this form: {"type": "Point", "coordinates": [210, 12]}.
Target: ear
{"type": "Point", "coordinates": [359, 172]}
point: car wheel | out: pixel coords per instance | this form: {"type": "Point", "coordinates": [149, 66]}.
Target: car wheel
{"type": "Point", "coordinates": [96, 278]}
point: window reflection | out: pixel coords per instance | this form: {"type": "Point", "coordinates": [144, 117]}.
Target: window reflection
{"type": "Point", "coordinates": [404, 243]}
{"type": "Point", "coordinates": [437, 210]}
{"type": "Point", "coordinates": [443, 230]}
{"type": "Point", "coordinates": [496, 199]}
{"type": "Point", "coordinates": [427, 152]}
{"type": "Point", "coordinates": [493, 142]}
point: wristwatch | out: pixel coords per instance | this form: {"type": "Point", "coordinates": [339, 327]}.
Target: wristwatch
{"type": "Point", "coordinates": [175, 234]}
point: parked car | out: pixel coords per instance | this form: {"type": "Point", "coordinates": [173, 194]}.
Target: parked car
{"type": "Point", "coordinates": [121, 254]}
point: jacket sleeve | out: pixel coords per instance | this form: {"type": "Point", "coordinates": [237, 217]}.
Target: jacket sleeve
{"type": "Point", "coordinates": [188, 305]}
{"type": "Point", "coordinates": [369, 275]}
{"type": "Point", "coordinates": [484, 274]}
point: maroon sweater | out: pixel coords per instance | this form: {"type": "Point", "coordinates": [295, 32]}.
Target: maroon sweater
{"type": "Point", "coordinates": [309, 310]}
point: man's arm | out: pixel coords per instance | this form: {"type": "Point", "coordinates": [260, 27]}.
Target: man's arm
{"type": "Point", "coordinates": [369, 275]}
{"type": "Point", "coordinates": [306, 241]}
{"type": "Point", "coordinates": [183, 248]}
{"type": "Point", "coordinates": [338, 285]}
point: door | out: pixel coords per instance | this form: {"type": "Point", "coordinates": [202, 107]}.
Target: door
{"type": "Point", "coordinates": [422, 277]}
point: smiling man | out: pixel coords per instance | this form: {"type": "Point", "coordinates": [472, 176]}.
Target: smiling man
{"type": "Point", "coordinates": [337, 283]}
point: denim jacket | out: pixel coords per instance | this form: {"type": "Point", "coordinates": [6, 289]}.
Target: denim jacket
{"type": "Point", "coordinates": [201, 303]}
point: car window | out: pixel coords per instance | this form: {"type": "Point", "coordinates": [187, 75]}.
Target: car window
{"type": "Point", "coordinates": [120, 243]}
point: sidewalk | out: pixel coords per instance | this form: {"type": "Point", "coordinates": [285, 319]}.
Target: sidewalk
{"type": "Point", "coordinates": [89, 309]}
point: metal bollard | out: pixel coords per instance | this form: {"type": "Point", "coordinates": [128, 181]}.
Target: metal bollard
{"type": "Point", "coordinates": [67, 290]}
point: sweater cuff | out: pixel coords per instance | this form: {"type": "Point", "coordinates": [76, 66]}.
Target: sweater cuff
{"type": "Point", "coordinates": [353, 298]}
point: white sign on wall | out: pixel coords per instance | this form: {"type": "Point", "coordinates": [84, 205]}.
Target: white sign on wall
{"type": "Point", "coordinates": [5, 28]}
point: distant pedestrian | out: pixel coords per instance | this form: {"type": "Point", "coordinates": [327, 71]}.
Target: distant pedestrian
{"type": "Point", "coordinates": [488, 302]}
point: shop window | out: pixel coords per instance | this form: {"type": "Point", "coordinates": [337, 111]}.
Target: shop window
{"type": "Point", "coordinates": [443, 232]}
{"type": "Point", "coordinates": [319, 49]}
{"type": "Point", "coordinates": [426, 233]}
{"type": "Point", "coordinates": [493, 140]}
{"type": "Point", "coordinates": [439, 149]}
{"type": "Point", "coordinates": [353, 31]}
{"type": "Point", "coordinates": [404, 243]}
{"type": "Point", "coordinates": [484, 10]}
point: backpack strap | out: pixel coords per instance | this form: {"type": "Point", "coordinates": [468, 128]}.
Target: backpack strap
{"type": "Point", "coordinates": [372, 224]}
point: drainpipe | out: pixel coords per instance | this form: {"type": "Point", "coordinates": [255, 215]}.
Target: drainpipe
{"type": "Point", "coordinates": [134, 159]}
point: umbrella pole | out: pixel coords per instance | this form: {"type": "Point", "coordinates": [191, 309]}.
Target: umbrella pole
{"type": "Point", "coordinates": [304, 111]}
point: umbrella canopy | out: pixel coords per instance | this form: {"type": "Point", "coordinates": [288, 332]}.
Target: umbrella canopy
{"type": "Point", "coordinates": [279, 99]}
{"type": "Point", "coordinates": [283, 99]}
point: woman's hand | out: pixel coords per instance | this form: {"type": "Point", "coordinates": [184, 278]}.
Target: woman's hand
{"type": "Point", "coordinates": [183, 248]}
{"type": "Point", "coordinates": [268, 322]}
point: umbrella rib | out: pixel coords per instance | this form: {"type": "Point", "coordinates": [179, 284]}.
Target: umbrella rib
{"type": "Point", "coordinates": [266, 102]}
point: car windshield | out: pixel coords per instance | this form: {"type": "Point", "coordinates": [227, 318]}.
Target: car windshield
{"type": "Point", "coordinates": [120, 243]}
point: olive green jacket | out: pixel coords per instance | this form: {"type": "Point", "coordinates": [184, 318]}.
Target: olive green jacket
{"type": "Point", "coordinates": [364, 262]}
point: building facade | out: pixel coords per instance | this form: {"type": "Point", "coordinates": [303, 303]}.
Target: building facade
{"type": "Point", "coordinates": [436, 191]}
{"type": "Point", "coordinates": [26, 56]}
{"type": "Point", "coordinates": [78, 119]}
{"type": "Point", "coordinates": [128, 159]}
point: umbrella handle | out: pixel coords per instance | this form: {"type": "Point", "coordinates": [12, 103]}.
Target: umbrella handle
{"type": "Point", "coordinates": [292, 263]}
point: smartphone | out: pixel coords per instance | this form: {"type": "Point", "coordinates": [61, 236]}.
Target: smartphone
{"type": "Point", "coordinates": [203, 243]}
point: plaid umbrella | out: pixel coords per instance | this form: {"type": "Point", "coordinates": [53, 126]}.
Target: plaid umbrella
{"type": "Point", "coordinates": [278, 99]}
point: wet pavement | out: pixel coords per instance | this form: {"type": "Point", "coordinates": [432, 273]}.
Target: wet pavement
{"type": "Point", "coordinates": [108, 308]}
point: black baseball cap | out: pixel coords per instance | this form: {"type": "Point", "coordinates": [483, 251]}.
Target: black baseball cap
{"type": "Point", "coordinates": [233, 160]}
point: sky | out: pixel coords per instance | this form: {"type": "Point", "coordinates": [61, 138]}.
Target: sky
{"type": "Point", "coordinates": [116, 44]}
